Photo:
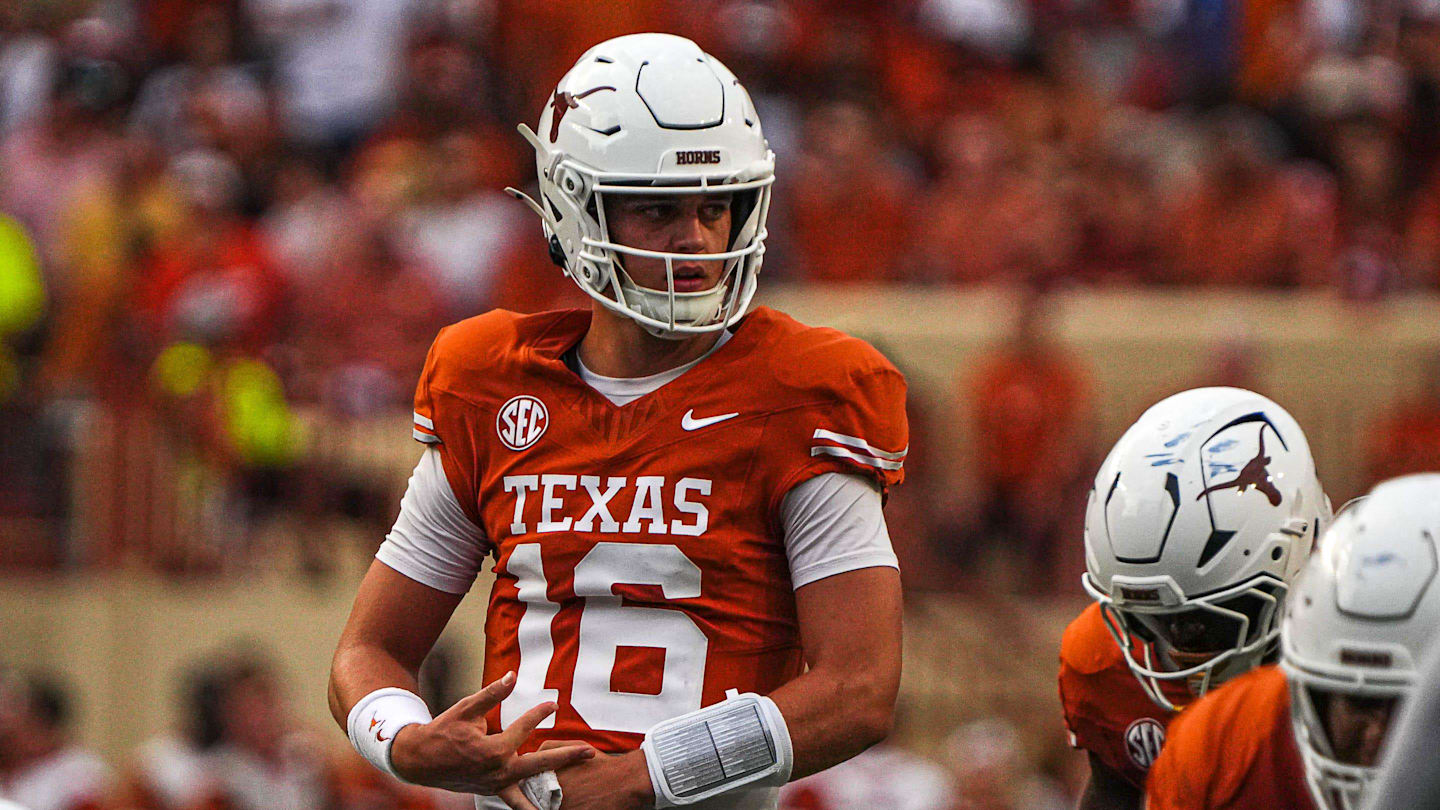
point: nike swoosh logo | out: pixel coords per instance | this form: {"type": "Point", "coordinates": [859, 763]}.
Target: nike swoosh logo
{"type": "Point", "coordinates": [379, 738]}
{"type": "Point", "coordinates": [689, 422]}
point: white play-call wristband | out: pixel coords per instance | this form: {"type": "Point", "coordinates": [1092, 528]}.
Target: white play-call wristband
{"type": "Point", "coordinates": [739, 742]}
{"type": "Point", "coordinates": [543, 790]}
{"type": "Point", "coordinates": [378, 717]}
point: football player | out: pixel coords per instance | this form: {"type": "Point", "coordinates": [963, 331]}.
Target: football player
{"type": "Point", "coordinates": [1197, 521]}
{"type": "Point", "coordinates": [1410, 778]}
{"type": "Point", "coordinates": [1309, 733]}
{"type": "Point", "coordinates": [683, 501]}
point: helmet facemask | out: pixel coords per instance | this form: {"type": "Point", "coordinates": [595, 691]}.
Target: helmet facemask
{"type": "Point", "coordinates": [598, 265]}
{"type": "Point", "coordinates": [1338, 767]}
{"type": "Point", "coordinates": [669, 313]}
{"type": "Point", "coordinates": [1199, 642]}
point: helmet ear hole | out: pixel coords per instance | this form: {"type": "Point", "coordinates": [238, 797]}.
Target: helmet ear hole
{"type": "Point", "coordinates": [556, 254]}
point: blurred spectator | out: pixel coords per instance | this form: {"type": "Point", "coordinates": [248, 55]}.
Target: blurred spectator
{"type": "Point", "coordinates": [461, 225]}
{"type": "Point", "coordinates": [212, 280]}
{"type": "Point", "coordinates": [363, 370]}
{"type": "Point", "coordinates": [995, 26]}
{"type": "Point", "coordinates": [170, 772]}
{"type": "Point", "coordinates": [22, 298]}
{"type": "Point", "coordinates": [337, 63]}
{"type": "Point", "coordinates": [1407, 439]}
{"type": "Point", "coordinates": [1029, 405]}
{"type": "Point", "coordinates": [29, 62]}
{"type": "Point", "coordinates": [1230, 227]}
{"type": "Point", "coordinates": [988, 762]}
{"type": "Point", "coordinates": [262, 759]}
{"type": "Point", "coordinates": [92, 347]}
{"type": "Point", "coordinates": [307, 217]}
{"type": "Point", "coordinates": [851, 205]}
{"type": "Point", "coordinates": [883, 776]}
{"type": "Point", "coordinates": [172, 103]}
{"type": "Point", "coordinates": [70, 147]}
{"type": "Point", "coordinates": [39, 767]}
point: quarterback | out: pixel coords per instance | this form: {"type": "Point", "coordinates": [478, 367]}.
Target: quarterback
{"type": "Point", "coordinates": [695, 595]}
{"type": "Point", "coordinates": [1197, 522]}
{"type": "Point", "coordinates": [1309, 733]}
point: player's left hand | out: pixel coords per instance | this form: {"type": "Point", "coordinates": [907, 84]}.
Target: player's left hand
{"type": "Point", "coordinates": [614, 782]}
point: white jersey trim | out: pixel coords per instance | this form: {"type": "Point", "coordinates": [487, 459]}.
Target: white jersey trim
{"type": "Point", "coordinates": [880, 463]}
{"type": "Point", "coordinates": [858, 443]}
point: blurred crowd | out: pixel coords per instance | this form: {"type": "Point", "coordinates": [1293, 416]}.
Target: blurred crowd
{"type": "Point", "coordinates": [216, 214]}
{"type": "Point", "coordinates": [237, 745]}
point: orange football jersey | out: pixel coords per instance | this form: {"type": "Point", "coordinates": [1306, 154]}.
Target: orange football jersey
{"type": "Point", "coordinates": [641, 569]}
{"type": "Point", "coordinates": [1233, 750]}
{"type": "Point", "coordinates": [1106, 710]}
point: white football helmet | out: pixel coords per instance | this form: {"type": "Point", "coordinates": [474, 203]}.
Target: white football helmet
{"type": "Point", "coordinates": [1198, 520]}
{"type": "Point", "coordinates": [1362, 616]}
{"type": "Point", "coordinates": [651, 114]}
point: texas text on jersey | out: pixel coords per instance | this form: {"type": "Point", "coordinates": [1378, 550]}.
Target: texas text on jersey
{"type": "Point", "coordinates": [640, 568]}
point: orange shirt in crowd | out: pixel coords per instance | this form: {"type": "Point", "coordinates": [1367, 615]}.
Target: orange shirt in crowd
{"type": "Point", "coordinates": [1025, 406]}
{"type": "Point", "coordinates": [1405, 441]}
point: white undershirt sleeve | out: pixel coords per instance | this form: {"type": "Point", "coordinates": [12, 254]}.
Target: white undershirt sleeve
{"type": "Point", "coordinates": [433, 541]}
{"type": "Point", "coordinates": [834, 523]}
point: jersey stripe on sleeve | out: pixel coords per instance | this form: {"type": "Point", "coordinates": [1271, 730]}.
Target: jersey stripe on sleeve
{"type": "Point", "coordinates": [856, 449]}
{"type": "Point", "coordinates": [424, 430]}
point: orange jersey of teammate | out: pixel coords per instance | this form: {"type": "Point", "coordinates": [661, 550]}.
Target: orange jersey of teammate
{"type": "Point", "coordinates": [1233, 750]}
{"type": "Point", "coordinates": [1107, 712]}
{"type": "Point", "coordinates": [641, 569]}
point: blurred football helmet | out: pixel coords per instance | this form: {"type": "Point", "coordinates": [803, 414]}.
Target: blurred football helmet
{"type": "Point", "coordinates": [651, 114]}
{"type": "Point", "coordinates": [1197, 522]}
{"type": "Point", "coordinates": [1363, 614]}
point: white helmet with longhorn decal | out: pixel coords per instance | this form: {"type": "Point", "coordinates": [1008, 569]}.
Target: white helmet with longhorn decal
{"type": "Point", "coordinates": [1197, 522]}
{"type": "Point", "coordinates": [651, 114]}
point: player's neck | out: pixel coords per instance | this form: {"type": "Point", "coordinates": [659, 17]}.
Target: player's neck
{"type": "Point", "coordinates": [616, 346]}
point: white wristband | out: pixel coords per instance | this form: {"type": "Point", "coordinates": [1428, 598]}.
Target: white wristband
{"type": "Point", "coordinates": [740, 742]}
{"type": "Point", "coordinates": [543, 790]}
{"type": "Point", "coordinates": [378, 717]}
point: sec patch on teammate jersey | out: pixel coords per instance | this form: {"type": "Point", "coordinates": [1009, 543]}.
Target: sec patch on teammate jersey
{"type": "Point", "coordinates": [1143, 741]}
{"type": "Point", "coordinates": [521, 422]}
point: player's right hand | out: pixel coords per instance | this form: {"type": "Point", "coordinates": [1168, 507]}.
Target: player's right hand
{"type": "Point", "coordinates": [455, 752]}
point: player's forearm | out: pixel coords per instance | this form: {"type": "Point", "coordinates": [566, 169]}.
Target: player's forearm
{"type": "Point", "coordinates": [832, 716]}
{"type": "Point", "coordinates": [359, 669]}
{"type": "Point", "coordinates": [392, 626]}
{"type": "Point", "coordinates": [852, 628]}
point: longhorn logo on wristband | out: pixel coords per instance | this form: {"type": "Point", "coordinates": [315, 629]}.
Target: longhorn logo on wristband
{"type": "Point", "coordinates": [375, 721]}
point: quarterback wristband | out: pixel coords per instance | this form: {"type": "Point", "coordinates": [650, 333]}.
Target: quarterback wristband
{"type": "Point", "coordinates": [739, 742]}
{"type": "Point", "coordinates": [378, 717]}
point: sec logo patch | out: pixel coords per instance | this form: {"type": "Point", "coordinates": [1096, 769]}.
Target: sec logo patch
{"type": "Point", "coordinates": [522, 421]}
{"type": "Point", "coordinates": [1143, 741]}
